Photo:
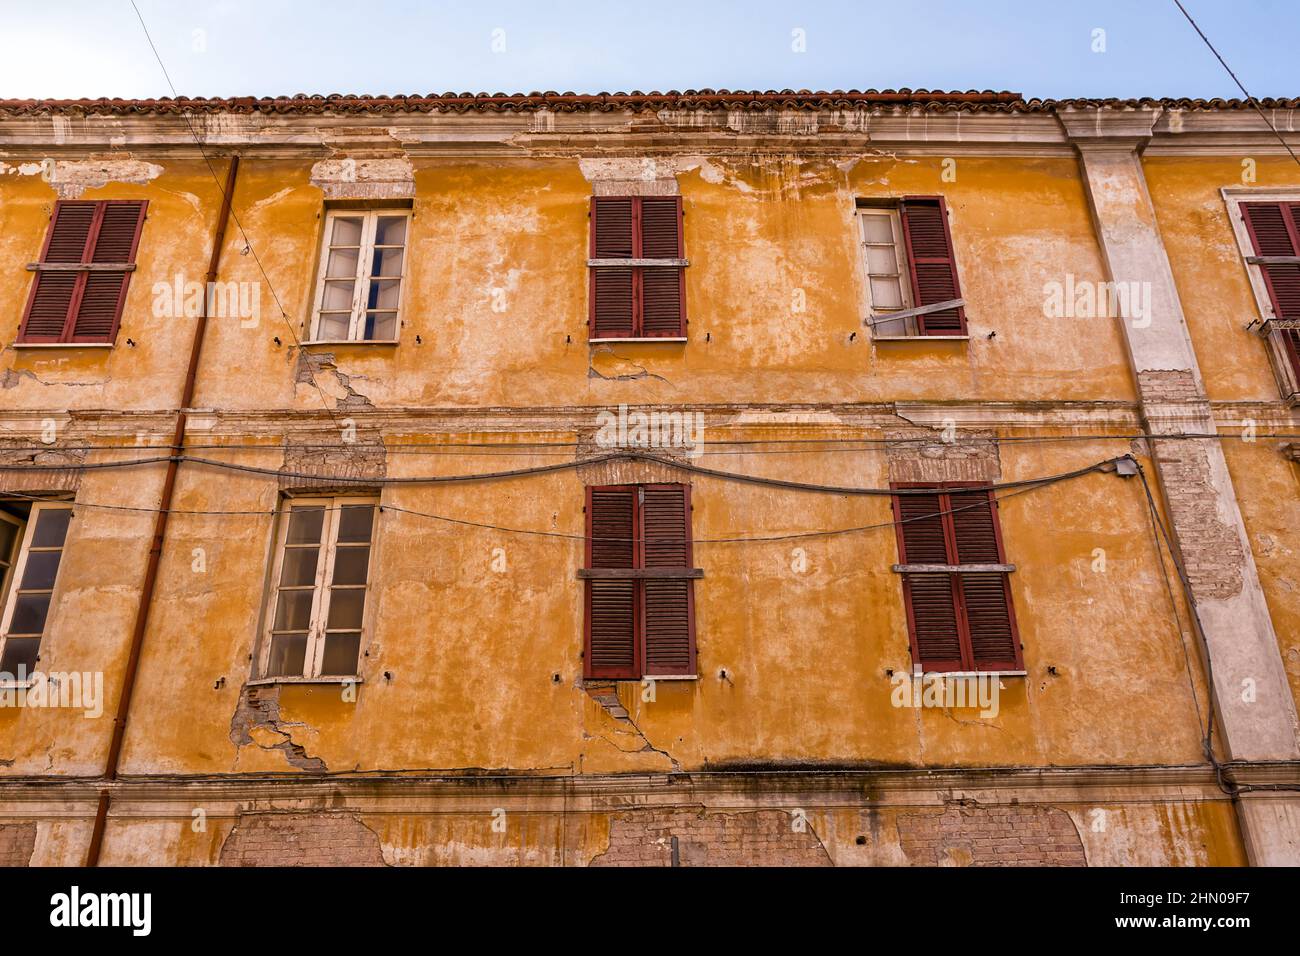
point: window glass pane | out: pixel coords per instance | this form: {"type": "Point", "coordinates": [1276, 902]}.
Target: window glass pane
{"type": "Point", "coordinates": [288, 654]}
{"type": "Point", "coordinates": [346, 606]}
{"type": "Point", "coordinates": [885, 294]}
{"type": "Point", "coordinates": [881, 260]}
{"type": "Point", "coordinates": [383, 294]}
{"type": "Point", "coordinates": [334, 326]}
{"type": "Point", "coordinates": [299, 566]}
{"type": "Point", "coordinates": [39, 572]}
{"type": "Point", "coordinates": [387, 262]}
{"type": "Point", "coordinates": [890, 327]}
{"type": "Point", "coordinates": [355, 522]}
{"type": "Point", "coordinates": [347, 232]}
{"type": "Point", "coordinates": [381, 325]}
{"type": "Point", "coordinates": [390, 231]}
{"type": "Point", "coordinates": [350, 565]}
{"type": "Point", "coordinates": [343, 263]}
{"type": "Point", "coordinates": [30, 611]}
{"type": "Point", "coordinates": [51, 527]}
{"type": "Point", "coordinates": [20, 652]}
{"type": "Point", "coordinates": [293, 610]}
{"type": "Point", "coordinates": [8, 535]}
{"type": "Point", "coordinates": [305, 524]}
{"type": "Point", "coordinates": [338, 296]}
{"type": "Point", "coordinates": [876, 227]}
{"type": "Point", "coordinates": [340, 657]}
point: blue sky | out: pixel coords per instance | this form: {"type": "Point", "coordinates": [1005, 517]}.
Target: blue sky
{"type": "Point", "coordinates": [1041, 48]}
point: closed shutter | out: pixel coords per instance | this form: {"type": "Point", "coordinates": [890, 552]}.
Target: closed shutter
{"type": "Point", "coordinates": [638, 301]}
{"type": "Point", "coordinates": [611, 613]}
{"type": "Point", "coordinates": [931, 609]}
{"type": "Point", "coordinates": [83, 305]}
{"type": "Point", "coordinates": [668, 606]}
{"type": "Point", "coordinates": [957, 620]}
{"type": "Point", "coordinates": [931, 264]}
{"type": "Point", "coordinates": [1275, 231]}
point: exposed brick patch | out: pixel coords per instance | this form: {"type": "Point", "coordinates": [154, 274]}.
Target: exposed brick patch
{"type": "Point", "coordinates": [965, 835]}
{"type": "Point", "coordinates": [43, 481]}
{"type": "Point", "coordinates": [17, 841]}
{"type": "Point", "coordinates": [332, 464]}
{"type": "Point", "coordinates": [312, 364]}
{"type": "Point", "coordinates": [1168, 386]}
{"type": "Point", "coordinates": [256, 721]}
{"type": "Point", "coordinates": [1211, 549]}
{"type": "Point", "coordinates": [921, 454]}
{"type": "Point", "coordinates": [301, 839]}
{"type": "Point", "coordinates": [757, 838]}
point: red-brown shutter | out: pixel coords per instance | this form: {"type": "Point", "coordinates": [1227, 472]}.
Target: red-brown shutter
{"type": "Point", "coordinates": [612, 649]}
{"type": "Point", "coordinates": [962, 620]}
{"type": "Point", "coordinates": [668, 606]}
{"type": "Point", "coordinates": [612, 295]}
{"type": "Point", "coordinates": [663, 288]}
{"type": "Point", "coordinates": [637, 301]}
{"type": "Point", "coordinates": [931, 264]}
{"type": "Point", "coordinates": [928, 598]}
{"type": "Point", "coordinates": [84, 305]}
{"type": "Point", "coordinates": [1275, 231]}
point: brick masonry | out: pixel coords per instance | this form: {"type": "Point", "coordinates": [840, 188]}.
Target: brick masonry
{"type": "Point", "coordinates": [756, 838]}
{"type": "Point", "coordinates": [922, 455]}
{"type": "Point", "coordinates": [964, 835]}
{"type": "Point", "coordinates": [301, 839]}
{"type": "Point", "coordinates": [17, 841]}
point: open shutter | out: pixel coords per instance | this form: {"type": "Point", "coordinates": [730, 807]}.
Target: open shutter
{"type": "Point", "coordinates": [1275, 231]}
{"type": "Point", "coordinates": [663, 299]}
{"type": "Point", "coordinates": [612, 295]}
{"type": "Point", "coordinates": [932, 265]}
{"type": "Point", "coordinates": [985, 596]}
{"type": "Point", "coordinates": [931, 609]}
{"type": "Point", "coordinates": [611, 650]}
{"type": "Point", "coordinates": [668, 607]}
{"type": "Point", "coordinates": [83, 305]}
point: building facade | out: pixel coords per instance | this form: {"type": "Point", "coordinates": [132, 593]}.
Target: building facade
{"type": "Point", "coordinates": [803, 478]}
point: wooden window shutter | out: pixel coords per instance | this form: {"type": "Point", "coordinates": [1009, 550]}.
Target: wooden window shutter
{"type": "Point", "coordinates": [636, 301]}
{"type": "Point", "coordinates": [931, 264]}
{"type": "Point", "coordinates": [83, 304]}
{"type": "Point", "coordinates": [613, 298]}
{"type": "Point", "coordinates": [1274, 230]}
{"type": "Point", "coordinates": [959, 620]}
{"type": "Point", "coordinates": [611, 646]}
{"type": "Point", "coordinates": [662, 288]}
{"type": "Point", "coordinates": [669, 603]}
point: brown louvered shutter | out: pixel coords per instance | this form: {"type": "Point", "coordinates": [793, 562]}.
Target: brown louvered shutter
{"type": "Point", "coordinates": [663, 288]}
{"type": "Point", "coordinates": [612, 296]}
{"type": "Point", "coordinates": [83, 305]}
{"type": "Point", "coordinates": [611, 650]}
{"type": "Point", "coordinates": [668, 605]}
{"type": "Point", "coordinates": [931, 264]}
{"type": "Point", "coordinates": [958, 620]}
{"type": "Point", "coordinates": [636, 301]}
{"type": "Point", "coordinates": [931, 609]}
{"type": "Point", "coordinates": [1275, 231]}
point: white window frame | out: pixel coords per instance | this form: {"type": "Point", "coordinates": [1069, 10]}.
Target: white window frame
{"type": "Point", "coordinates": [315, 653]}
{"type": "Point", "coordinates": [1233, 197]}
{"type": "Point", "coordinates": [895, 214]}
{"type": "Point", "coordinates": [18, 567]}
{"type": "Point", "coordinates": [361, 282]}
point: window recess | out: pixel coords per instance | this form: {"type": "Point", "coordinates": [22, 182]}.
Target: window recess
{"type": "Point", "coordinates": [315, 617]}
{"type": "Point", "coordinates": [1273, 233]}
{"type": "Point", "coordinates": [361, 274]}
{"type": "Point", "coordinates": [31, 550]}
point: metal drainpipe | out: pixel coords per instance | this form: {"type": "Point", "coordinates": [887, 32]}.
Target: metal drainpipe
{"type": "Point", "coordinates": [160, 528]}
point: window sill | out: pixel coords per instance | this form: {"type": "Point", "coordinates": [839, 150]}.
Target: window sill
{"type": "Point", "coordinates": [953, 568]}
{"type": "Point", "coordinates": [262, 681]}
{"type": "Point", "coordinates": [972, 674]}
{"type": "Point", "coordinates": [349, 342]}
{"type": "Point", "coordinates": [654, 339]}
{"type": "Point", "coordinates": [920, 338]}
{"type": "Point", "coordinates": [62, 345]}
{"type": "Point", "coordinates": [659, 677]}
